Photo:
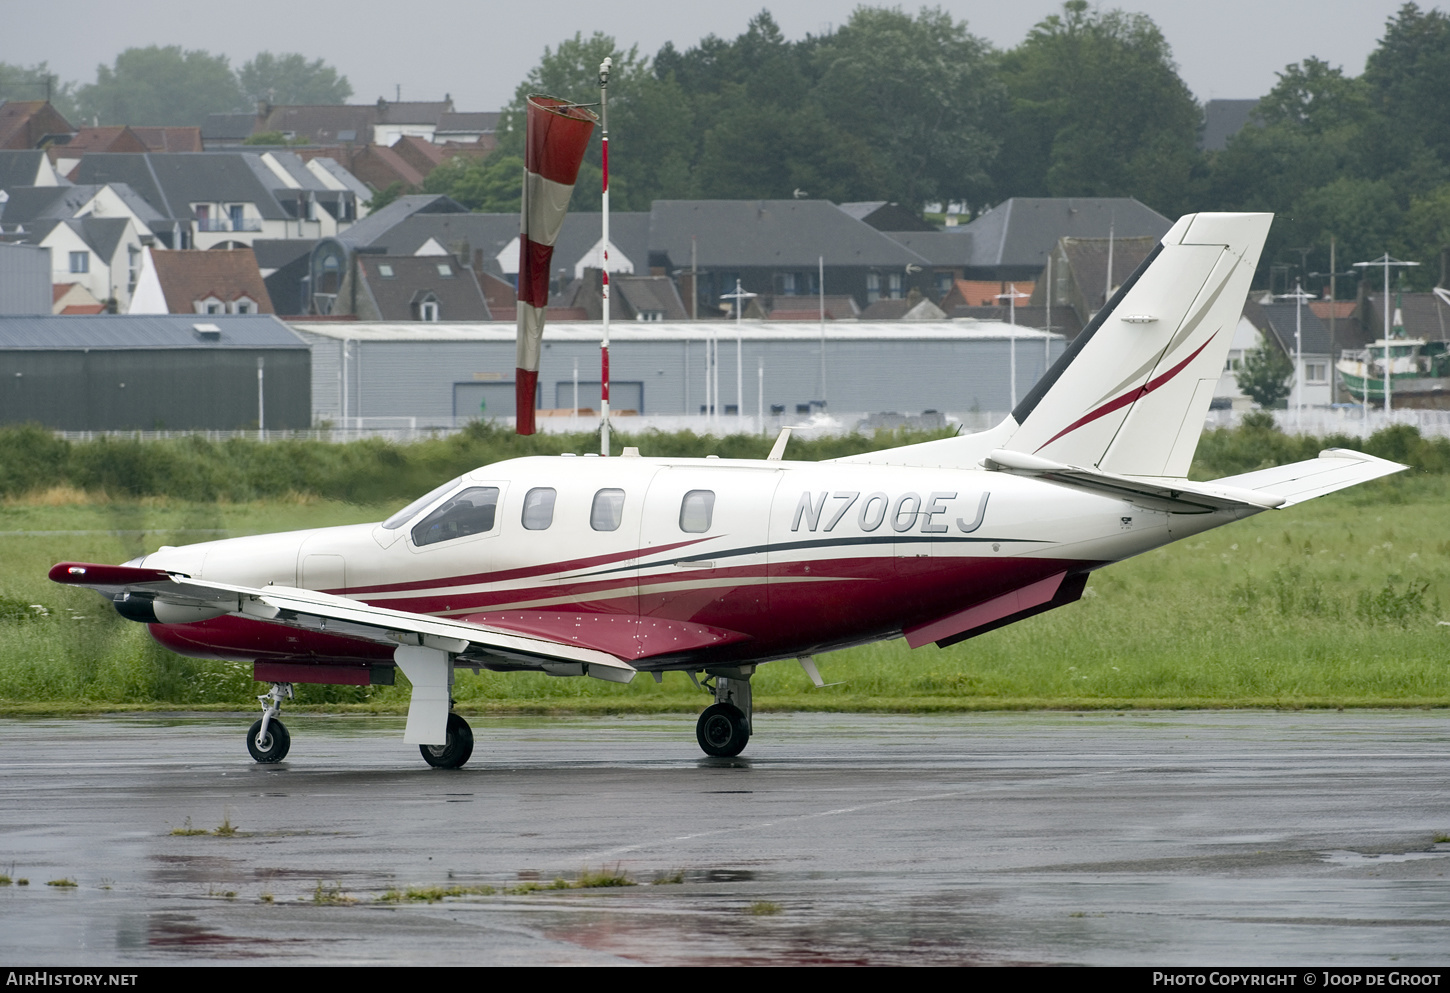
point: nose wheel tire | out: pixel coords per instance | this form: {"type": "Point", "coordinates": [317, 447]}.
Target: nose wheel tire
{"type": "Point", "coordinates": [273, 747]}
{"type": "Point", "coordinates": [455, 750]}
{"type": "Point", "coordinates": [722, 730]}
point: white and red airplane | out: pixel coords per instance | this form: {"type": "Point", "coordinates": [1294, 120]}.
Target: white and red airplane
{"type": "Point", "coordinates": [609, 567]}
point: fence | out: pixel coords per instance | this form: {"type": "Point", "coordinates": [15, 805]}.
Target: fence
{"type": "Point", "coordinates": [1316, 421]}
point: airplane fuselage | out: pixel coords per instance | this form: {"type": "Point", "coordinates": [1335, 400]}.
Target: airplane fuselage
{"type": "Point", "coordinates": [673, 563]}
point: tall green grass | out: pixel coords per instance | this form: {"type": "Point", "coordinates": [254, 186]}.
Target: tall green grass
{"type": "Point", "coordinates": [1341, 601]}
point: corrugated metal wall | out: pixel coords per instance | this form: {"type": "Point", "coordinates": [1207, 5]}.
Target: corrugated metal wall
{"type": "Point", "coordinates": [141, 389]}
{"type": "Point", "coordinates": [404, 379]}
{"type": "Point", "coordinates": [24, 280]}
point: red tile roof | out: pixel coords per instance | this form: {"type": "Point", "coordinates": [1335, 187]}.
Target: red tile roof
{"type": "Point", "coordinates": [227, 274]}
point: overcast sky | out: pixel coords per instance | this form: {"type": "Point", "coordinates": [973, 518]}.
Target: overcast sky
{"type": "Point", "coordinates": [479, 50]}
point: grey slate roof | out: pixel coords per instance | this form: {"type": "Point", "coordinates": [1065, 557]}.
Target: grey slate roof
{"type": "Point", "coordinates": [1022, 231]}
{"type": "Point", "coordinates": [274, 253]}
{"type": "Point", "coordinates": [486, 232]}
{"type": "Point", "coordinates": [129, 331]}
{"type": "Point", "coordinates": [739, 234]}
{"type": "Point", "coordinates": [173, 182]}
{"type": "Point", "coordinates": [654, 294]}
{"type": "Point", "coordinates": [19, 167]}
{"type": "Point", "coordinates": [32, 203]}
{"type": "Point", "coordinates": [102, 234]}
{"type": "Point", "coordinates": [228, 127]}
{"type": "Point", "coordinates": [941, 248]}
{"type": "Point", "coordinates": [1278, 318]}
{"type": "Point", "coordinates": [413, 279]}
{"type": "Point", "coordinates": [372, 229]}
{"type": "Point", "coordinates": [1222, 119]}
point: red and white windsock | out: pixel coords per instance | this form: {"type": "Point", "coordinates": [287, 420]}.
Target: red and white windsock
{"type": "Point", "coordinates": [556, 135]}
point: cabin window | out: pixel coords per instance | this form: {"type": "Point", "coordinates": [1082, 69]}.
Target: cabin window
{"type": "Point", "coordinates": [470, 512]}
{"type": "Point", "coordinates": [608, 510]}
{"type": "Point", "coordinates": [697, 510]}
{"type": "Point", "coordinates": [539, 508]}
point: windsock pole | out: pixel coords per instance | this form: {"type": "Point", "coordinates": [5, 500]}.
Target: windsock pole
{"type": "Point", "coordinates": [604, 68]}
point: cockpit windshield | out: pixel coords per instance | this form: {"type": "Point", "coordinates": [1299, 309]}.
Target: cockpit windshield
{"type": "Point", "coordinates": [407, 513]}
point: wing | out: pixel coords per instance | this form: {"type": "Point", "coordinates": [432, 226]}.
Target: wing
{"type": "Point", "coordinates": [173, 598]}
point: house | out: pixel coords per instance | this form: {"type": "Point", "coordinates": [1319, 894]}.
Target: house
{"type": "Point", "coordinates": [67, 154]}
{"type": "Point", "coordinates": [1012, 240]}
{"type": "Point", "coordinates": [411, 288]}
{"type": "Point", "coordinates": [26, 168]}
{"type": "Point", "coordinates": [73, 298]}
{"type": "Point", "coordinates": [631, 298]}
{"type": "Point", "coordinates": [949, 253]}
{"type": "Point", "coordinates": [777, 250]}
{"type": "Point", "coordinates": [380, 123]}
{"type": "Point", "coordinates": [217, 281]}
{"type": "Point", "coordinates": [102, 254]}
{"type": "Point", "coordinates": [229, 199]}
{"type": "Point", "coordinates": [1085, 272]}
{"type": "Point", "coordinates": [1304, 338]}
{"type": "Point", "coordinates": [30, 124]}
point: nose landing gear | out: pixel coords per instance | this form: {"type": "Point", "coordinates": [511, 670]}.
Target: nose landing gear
{"type": "Point", "coordinates": [268, 740]}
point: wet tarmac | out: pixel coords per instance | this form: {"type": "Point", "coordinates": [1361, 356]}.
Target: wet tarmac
{"type": "Point", "coordinates": [1140, 839]}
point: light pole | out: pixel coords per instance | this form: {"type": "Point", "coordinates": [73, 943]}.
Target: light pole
{"type": "Point", "coordinates": [1385, 262]}
{"type": "Point", "coordinates": [1299, 297]}
{"type": "Point", "coordinates": [739, 296]}
{"type": "Point", "coordinates": [1011, 296]}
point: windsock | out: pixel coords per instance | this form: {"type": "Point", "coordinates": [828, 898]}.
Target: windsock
{"type": "Point", "coordinates": [556, 135]}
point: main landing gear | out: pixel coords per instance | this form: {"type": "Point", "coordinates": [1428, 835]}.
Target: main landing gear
{"type": "Point", "coordinates": [268, 740]}
{"type": "Point", "coordinates": [724, 728]}
{"type": "Point", "coordinates": [455, 750]}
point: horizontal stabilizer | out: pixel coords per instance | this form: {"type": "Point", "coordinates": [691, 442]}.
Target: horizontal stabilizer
{"type": "Point", "coordinates": [1182, 496]}
{"type": "Point", "coordinates": [1334, 469]}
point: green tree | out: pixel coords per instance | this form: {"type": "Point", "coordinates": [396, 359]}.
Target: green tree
{"type": "Point", "coordinates": [1408, 77]}
{"type": "Point", "coordinates": [37, 82]}
{"type": "Point", "coordinates": [919, 93]}
{"type": "Point", "coordinates": [491, 185]}
{"type": "Point", "coordinates": [158, 85]}
{"type": "Point", "coordinates": [291, 79]}
{"type": "Point", "coordinates": [1265, 375]}
{"type": "Point", "coordinates": [1098, 109]}
{"type": "Point", "coordinates": [649, 123]}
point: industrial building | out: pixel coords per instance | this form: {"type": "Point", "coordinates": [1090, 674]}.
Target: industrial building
{"type": "Point", "coordinates": [444, 375]}
{"type": "Point", "coordinates": [125, 372]}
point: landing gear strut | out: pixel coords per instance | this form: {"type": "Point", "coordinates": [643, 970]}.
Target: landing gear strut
{"type": "Point", "coordinates": [268, 740]}
{"type": "Point", "coordinates": [724, 728]}
{"type": "Point", "coordinates": [455, 750]}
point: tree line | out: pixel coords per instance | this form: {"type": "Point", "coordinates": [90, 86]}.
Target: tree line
{"type": "Point", "coordinates": [914, 108]}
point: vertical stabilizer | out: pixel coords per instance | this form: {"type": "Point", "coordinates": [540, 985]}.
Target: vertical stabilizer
{"type": "Point", "coordinates": [1131, 393]}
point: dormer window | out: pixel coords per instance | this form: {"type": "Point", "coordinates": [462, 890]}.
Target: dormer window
{"type": "Point", "coordinates": [426, 308]}
{"type": "Point", "coordinates": [211, 305]}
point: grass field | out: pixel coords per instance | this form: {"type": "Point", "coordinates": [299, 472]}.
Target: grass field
{"type": "Point", "coordinates": [1337, 602]}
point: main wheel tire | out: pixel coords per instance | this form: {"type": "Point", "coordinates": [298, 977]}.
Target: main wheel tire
{"type": "Point", "coordinates": [455, 750]}
{"type": "Point", "coordinates": [274, 747]}
{"type": "Point", "coordinates": [722, 730]}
